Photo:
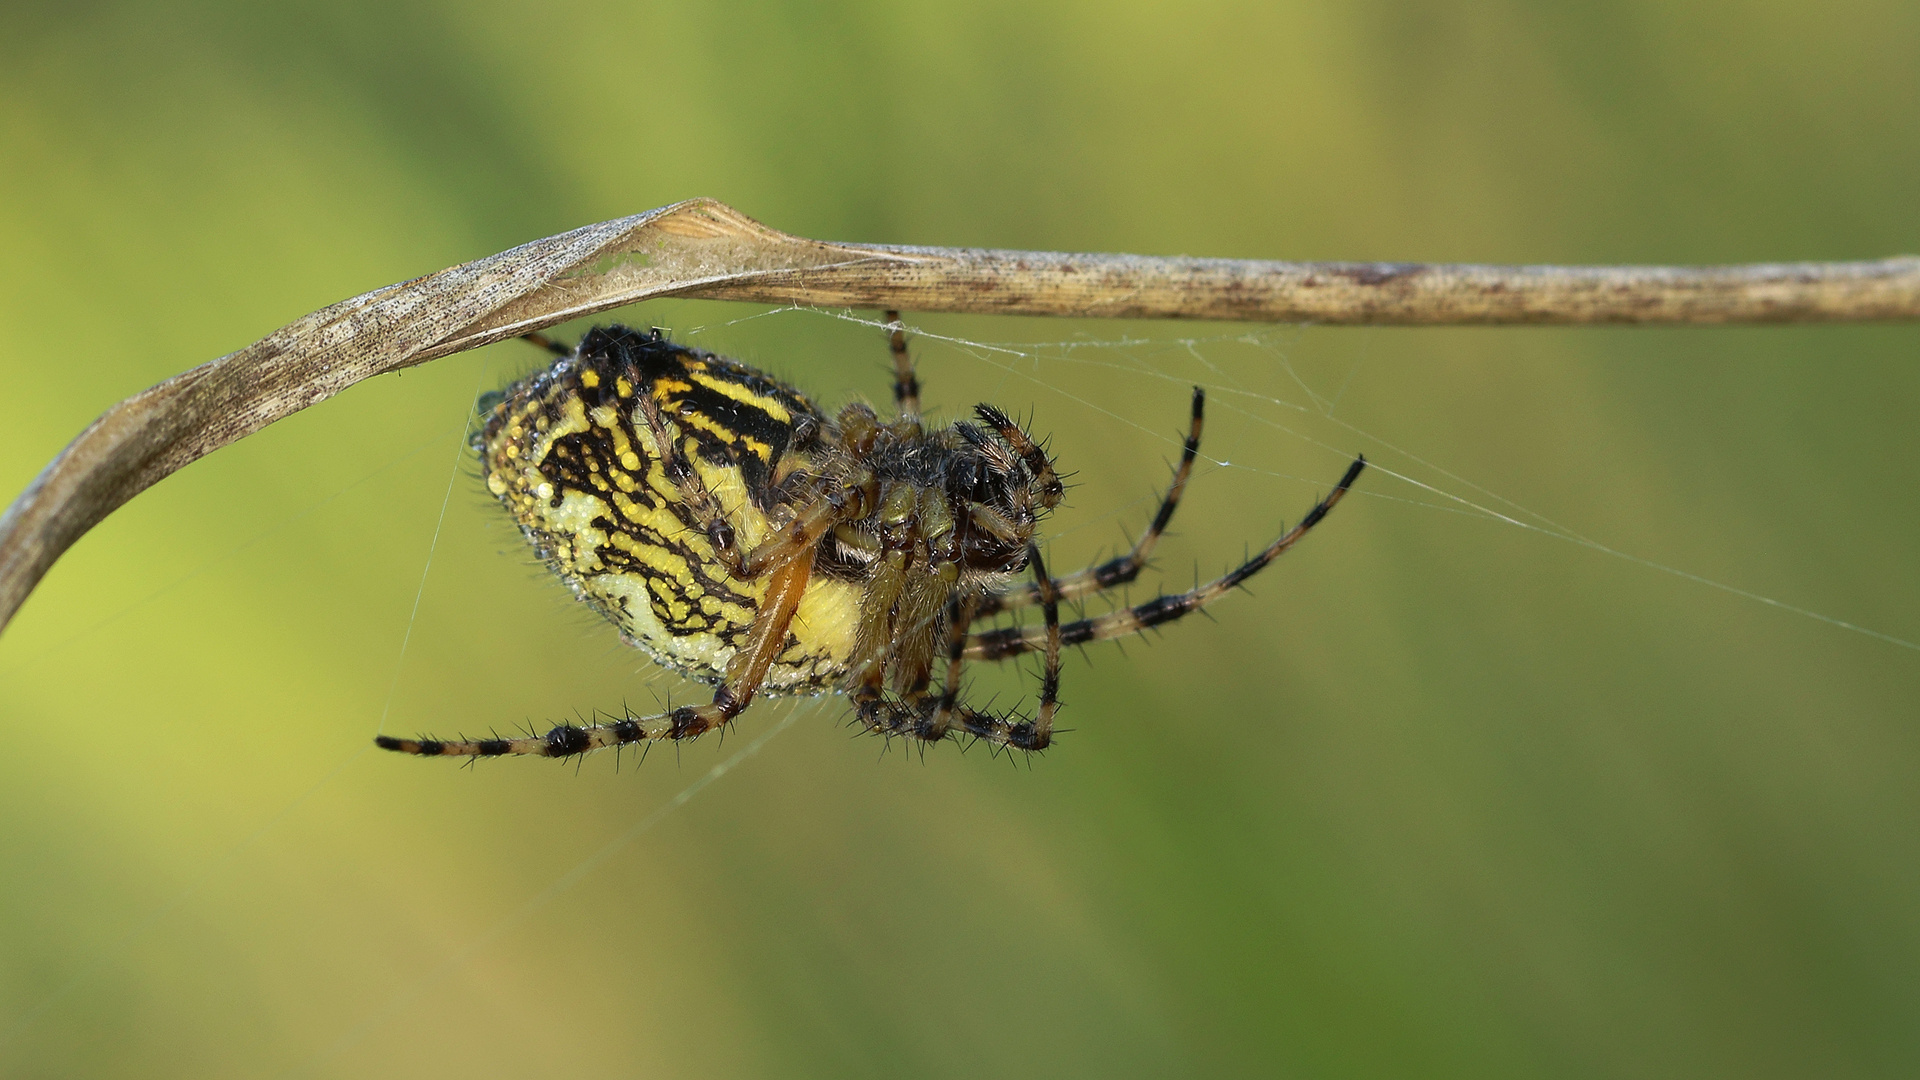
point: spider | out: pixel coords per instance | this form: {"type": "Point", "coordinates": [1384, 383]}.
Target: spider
{"type": "Point", "coordinates": [740, 536]}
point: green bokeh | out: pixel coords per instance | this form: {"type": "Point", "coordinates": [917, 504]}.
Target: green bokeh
{"type": "Point", "coordinates": [1447, 797]}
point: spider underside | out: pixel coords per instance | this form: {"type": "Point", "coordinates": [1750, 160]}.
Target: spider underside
{"type": "Point", "coordinates": [743, 538]}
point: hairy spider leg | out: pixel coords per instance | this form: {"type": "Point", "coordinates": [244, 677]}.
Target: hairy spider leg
{"type": "Point", "coordinates": [959, 618]}
{"type": "Point", "coordinates": [933, 719]}
{"type": "Point", "coordinates": [745, 674]}
{"type": "Point", "coordinates": [906, 386]}
{"type": "Point", "coordinates": [1015, 640]}
{"type": "Point", "coordinates": [1124, 569]}
{"type": "Point", "coordinates": [1030, 453]}
{"type": "Point", "coordinates": [1051, 639]}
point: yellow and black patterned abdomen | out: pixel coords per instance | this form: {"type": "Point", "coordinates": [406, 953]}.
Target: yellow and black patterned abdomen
{"type": "Point", "coordinates": [572, 454]}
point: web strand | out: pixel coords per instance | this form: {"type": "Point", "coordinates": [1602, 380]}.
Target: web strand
{"type": "Point", "coordinates": [433, 545]}
{"type": "Point", "coordinates": [1008, 358]}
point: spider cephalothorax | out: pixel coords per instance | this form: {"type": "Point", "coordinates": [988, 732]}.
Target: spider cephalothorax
{"type": "Point", "coordinates": [953, 513]}
{"type": "Point", "coordinates": [743, 538]}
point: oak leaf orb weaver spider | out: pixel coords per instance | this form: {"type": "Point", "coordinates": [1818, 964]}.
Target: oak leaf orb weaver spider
{"type": "Point", "coordinates": [743, 538]}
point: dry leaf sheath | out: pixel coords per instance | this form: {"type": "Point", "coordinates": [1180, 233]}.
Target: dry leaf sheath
{"type": "Point", "coordinates": [702, 248]}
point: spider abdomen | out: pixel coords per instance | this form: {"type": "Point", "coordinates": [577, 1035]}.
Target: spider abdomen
{"type": "Point", "coordinates": [572, 455]}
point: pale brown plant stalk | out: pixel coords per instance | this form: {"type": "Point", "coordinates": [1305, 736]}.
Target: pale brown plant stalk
{"type": "Point", "coordinates": [706, 249]}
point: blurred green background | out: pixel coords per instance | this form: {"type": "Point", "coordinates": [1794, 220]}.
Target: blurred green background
{"type": "Point", "coordinates": [1446, 797]}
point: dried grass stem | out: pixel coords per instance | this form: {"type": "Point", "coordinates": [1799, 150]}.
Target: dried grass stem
{"type": "Point", "coordinates": [702, 248]}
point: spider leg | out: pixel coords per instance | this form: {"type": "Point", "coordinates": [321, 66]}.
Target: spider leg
{"type": "Point", "coordinates": [1127, 567]}
{"type": "Point", "coordinates": [906, 386]}
{"type": "Point", "coordinates": [798, 537]}
{"type": "Point", "coordinates": [745, 674]}
{"type": "Point", "coordinates": [1051, 638]}
{"type": "Point", "coordinates": [959, 617]}
{"type": "Point", "coordinates": [1015, 640]}
{"type": "Point", "coordinates": [933, 719]}
{"type": "Point", "coordinates": [557, 348]}
{"type": "Point", "coordinates": [927, 719]}
{"type": "Point", "coordinates": [1046, 480]}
